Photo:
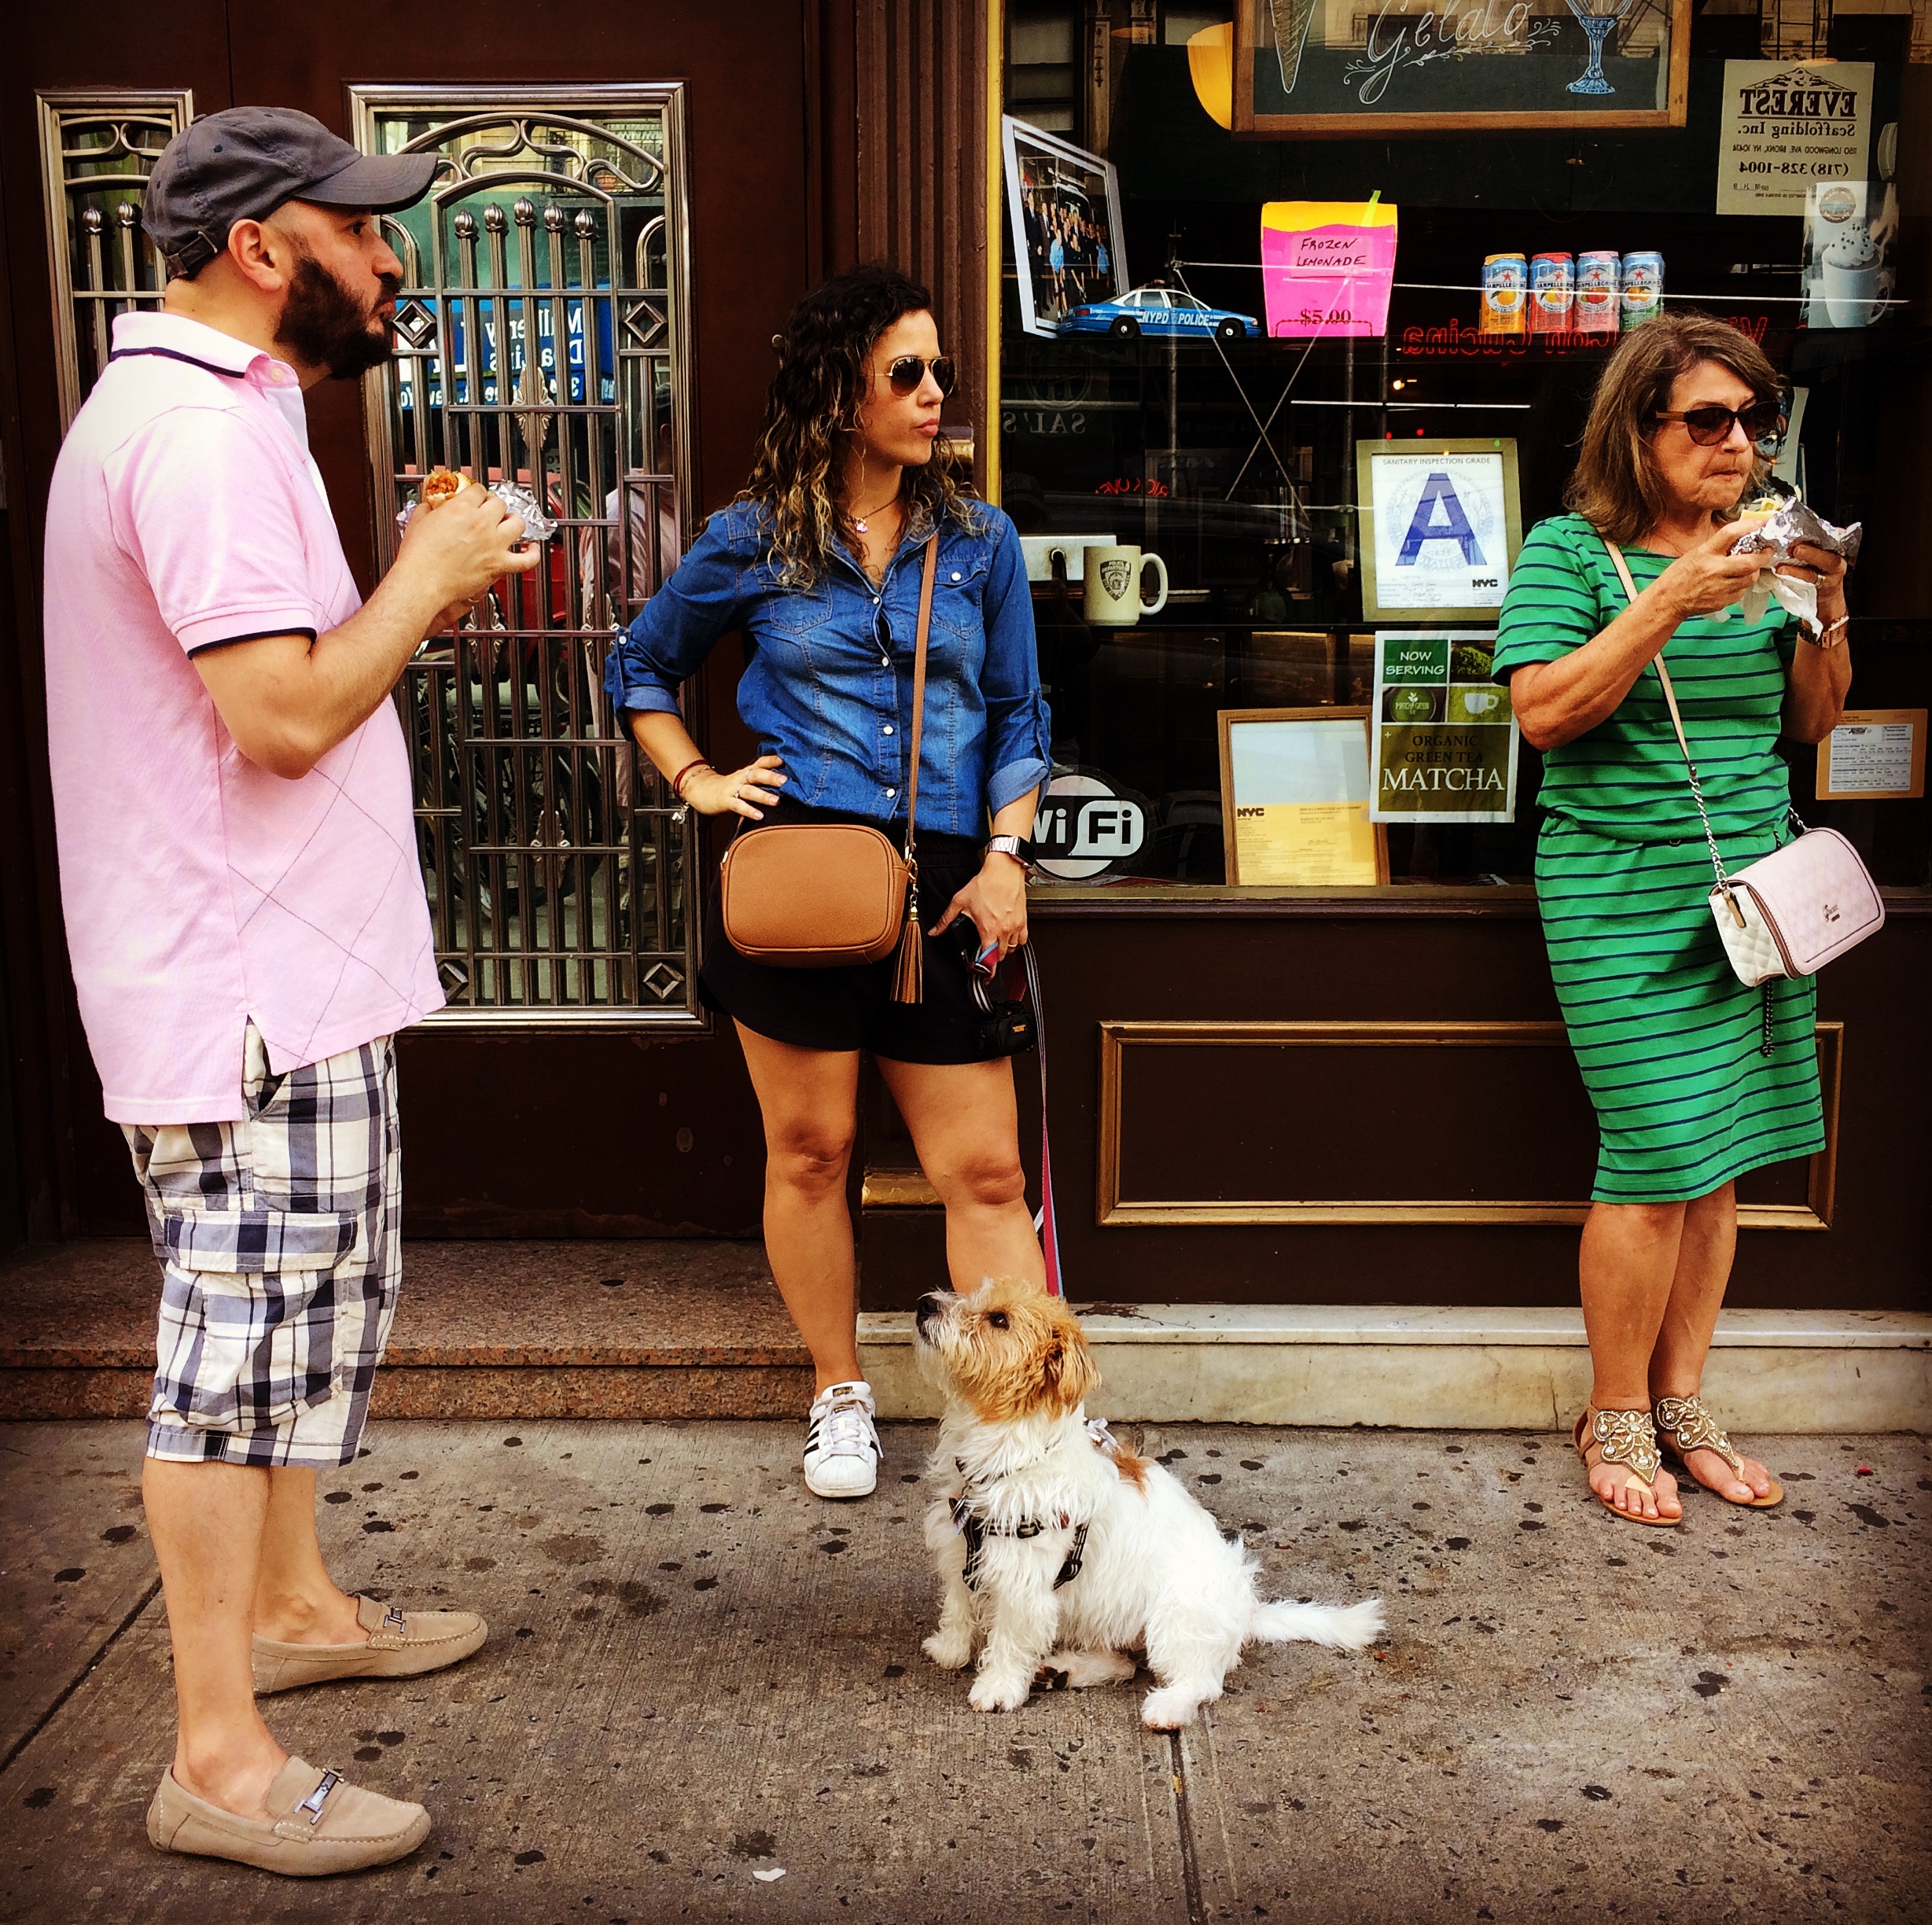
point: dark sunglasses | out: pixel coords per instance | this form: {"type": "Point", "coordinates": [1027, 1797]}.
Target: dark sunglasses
{"type": "Point", "coordinates": [1710, 426]}
{"type": "Point", "coordinates": [909, 370]}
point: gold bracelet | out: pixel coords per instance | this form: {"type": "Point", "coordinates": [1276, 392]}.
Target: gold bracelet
{"type": "Point", "coordinates": [1822, 639]}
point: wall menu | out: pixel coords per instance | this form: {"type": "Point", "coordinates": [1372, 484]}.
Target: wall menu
{"type": "Point", "coordinates": [1784, 125]}
{"type": "Point", "coordinates": [1874, 753]}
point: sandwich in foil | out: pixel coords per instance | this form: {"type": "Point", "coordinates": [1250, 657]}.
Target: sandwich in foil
{"type": "Point", "coordinates": [1791, 523]}
{"type": "Point", "coordinates": [440, 484]}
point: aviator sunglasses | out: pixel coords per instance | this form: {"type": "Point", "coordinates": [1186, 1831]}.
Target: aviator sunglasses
{"type": "Point", "coordinates": [1709, 425]}
{"type": "Point", "coordinates": [909, 370]}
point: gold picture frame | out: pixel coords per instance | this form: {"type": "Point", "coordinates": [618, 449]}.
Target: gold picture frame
{"type": "Point", "coordinates": [1393, 80]}
{"type": "Point", "coordinates": [1382, 468]}
{"type": "Point", "coordinates": [1120, 1204]}
{"type": "Point", "coordinates": [1287, 818]}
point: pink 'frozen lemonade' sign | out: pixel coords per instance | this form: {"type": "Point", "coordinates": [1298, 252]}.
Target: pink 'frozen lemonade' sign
{"type": "Point", "coordinates": [1327, 266]}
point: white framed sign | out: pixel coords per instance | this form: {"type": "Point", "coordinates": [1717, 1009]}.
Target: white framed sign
{"type": "Point", "coordinates": [1440, 527]}
{"type": "Point", "coordinates": [1784, 125]}
{"type": "Point", "coordinates": [1064, 203]}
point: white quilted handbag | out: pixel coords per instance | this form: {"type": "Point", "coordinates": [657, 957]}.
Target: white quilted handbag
{"type": "Point", "coordinates": [1793, 910]}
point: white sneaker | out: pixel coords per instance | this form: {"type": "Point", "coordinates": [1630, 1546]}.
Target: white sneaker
{"type": "Point", "coordinates": [842, 1446]}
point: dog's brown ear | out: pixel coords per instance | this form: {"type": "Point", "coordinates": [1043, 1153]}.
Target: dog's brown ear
{"type": "Point", "coordinates": [1067, 1374]}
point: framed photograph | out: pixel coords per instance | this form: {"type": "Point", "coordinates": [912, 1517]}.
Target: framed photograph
{"type": "Point", "coordinates": [1440, 524]}
{"type": "Point", "coordinates": [1344, 68]}
{"type": "Point", "coordinates": [1873, 754]}
{"type": "Point", "coordinates": [1294, 799]}
{"type": "Point", "coordinates": [1064, 206]}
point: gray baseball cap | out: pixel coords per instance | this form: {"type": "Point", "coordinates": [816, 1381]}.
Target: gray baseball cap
{"type": "Point", "coordinates": [244, 162]}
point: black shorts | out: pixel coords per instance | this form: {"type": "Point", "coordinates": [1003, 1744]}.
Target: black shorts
{"type": "Point", "coordinates": [851, 1007]}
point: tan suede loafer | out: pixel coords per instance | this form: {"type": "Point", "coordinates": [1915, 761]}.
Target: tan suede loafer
{"type": "Point", "coordinates": [321, 1825]}
{"type": "Point", "coordinates": [400, 1644]}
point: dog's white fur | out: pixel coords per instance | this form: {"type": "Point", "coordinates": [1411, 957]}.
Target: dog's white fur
{"type": "Point", "coordinates": [1156, 1576]}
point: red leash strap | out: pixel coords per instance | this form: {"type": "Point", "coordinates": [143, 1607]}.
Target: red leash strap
{"type": "Point", "coordinates": [1043, 1221]}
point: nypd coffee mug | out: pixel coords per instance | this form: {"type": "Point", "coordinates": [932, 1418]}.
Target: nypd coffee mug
{"type": "Point", "coordinates": [1116, 586]}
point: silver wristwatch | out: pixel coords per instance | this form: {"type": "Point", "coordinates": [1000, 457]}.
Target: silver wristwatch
{"type": "Point", "coordinates": [1018, 846]}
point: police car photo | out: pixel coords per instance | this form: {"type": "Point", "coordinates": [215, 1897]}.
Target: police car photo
{"type": "Point", "coordinates": [1158, 310]}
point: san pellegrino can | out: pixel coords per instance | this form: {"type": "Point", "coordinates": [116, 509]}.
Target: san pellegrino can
{"type": "Point", "coordinates": [1641, 289]}
{"type": "Point", "coordinates": [1505, 293]}
{"type": "Point", "coordinates": [1597, 277]}
{"type": "Point", "coordinates": [1552, 293]}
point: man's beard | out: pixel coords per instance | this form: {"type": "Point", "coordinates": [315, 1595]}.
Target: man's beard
{"type": "Point", "coordinates": [323, 326]}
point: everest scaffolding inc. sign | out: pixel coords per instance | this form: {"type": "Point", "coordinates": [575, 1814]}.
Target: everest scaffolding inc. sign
{"type": "Point", "coordinates": [1440, 525]}
{"type": "Point", "coordinates": [1785, 124]}
{"type": "Point", "coordinates": [1444, 737]}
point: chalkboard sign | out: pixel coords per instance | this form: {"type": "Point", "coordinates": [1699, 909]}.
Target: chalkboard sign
{"type": "Point", "coordinates": [1349, 67]}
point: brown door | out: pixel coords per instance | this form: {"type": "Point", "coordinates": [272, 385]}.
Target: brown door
{"type": "Point", "coordinates": [596, 320]}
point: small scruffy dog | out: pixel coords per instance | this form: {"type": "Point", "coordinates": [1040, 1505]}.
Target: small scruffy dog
{"type": "Point", "coordinates": [1057, 1548]}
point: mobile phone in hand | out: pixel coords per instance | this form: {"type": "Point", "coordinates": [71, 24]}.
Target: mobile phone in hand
{"type": "Point", "coordinates": [982, 958]}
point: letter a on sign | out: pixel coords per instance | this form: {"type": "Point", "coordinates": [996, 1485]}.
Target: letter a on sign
{"type": "Point", "coordinates": [1439, 491]}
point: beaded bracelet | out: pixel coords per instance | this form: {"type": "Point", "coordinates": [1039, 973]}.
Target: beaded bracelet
{"type": "Point", "coordinates": [677, 781]}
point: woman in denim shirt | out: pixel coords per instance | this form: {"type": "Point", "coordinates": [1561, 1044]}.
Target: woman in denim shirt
{"type": "Point", "coordinates": [817, 565]}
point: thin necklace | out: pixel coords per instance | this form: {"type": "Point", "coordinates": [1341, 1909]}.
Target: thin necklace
{"type": "Point", "coordinates": [860, 521]}
{"type": "Point", "coordinates": [1676, 554]}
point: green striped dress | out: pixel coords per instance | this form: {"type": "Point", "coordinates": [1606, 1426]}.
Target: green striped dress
{"type": "Point", "coordinates": [1669, 1040]}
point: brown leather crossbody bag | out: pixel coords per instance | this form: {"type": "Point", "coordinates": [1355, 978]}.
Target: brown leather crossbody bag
{"type": "Point", "coordinates": [818, 895]}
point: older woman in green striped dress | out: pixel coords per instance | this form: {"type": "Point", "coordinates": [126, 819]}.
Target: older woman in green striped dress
{"type": "Point", "coordinates": [1696, 1079]}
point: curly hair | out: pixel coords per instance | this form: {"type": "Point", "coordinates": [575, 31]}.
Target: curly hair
{"type": "Point", "coordinates": [1616, 487]}
{"type": "Point", "coordinates": [812, 413]}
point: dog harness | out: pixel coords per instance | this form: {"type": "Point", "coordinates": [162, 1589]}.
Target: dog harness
{"type": "Point", "coordinates": [976, 1529]}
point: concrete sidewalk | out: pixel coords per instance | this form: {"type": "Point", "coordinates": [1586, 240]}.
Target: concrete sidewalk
{"type": "Point", "coordinates": [697, 1674]}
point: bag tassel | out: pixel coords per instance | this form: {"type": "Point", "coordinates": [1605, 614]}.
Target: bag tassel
{"type": "Point", "coordinates": [909, 978]}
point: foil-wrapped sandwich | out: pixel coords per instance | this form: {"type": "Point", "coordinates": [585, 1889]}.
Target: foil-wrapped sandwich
{"type": "Point", "coordinates": [1776, 540]}
{"type": "Point", "coordinates": [442, 484]}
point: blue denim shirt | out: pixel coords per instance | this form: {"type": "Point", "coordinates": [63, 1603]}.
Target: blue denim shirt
{"type": "Point", "coordinates": [827, 685]}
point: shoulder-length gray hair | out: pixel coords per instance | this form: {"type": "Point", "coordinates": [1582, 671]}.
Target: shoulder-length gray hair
{"type": "Point", "coordinates": [1615, 487]}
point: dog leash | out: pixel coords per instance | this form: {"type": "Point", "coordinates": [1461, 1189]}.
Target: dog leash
{"type": "Point", "coordinates": [1043, 1222]}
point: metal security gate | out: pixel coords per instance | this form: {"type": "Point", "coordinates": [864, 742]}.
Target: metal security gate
{"type": "Point", "coordinates": [97, 147]}
{"type": "Point", "coordinates": [543, 337]}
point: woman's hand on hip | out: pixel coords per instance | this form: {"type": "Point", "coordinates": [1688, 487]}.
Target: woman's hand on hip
{"type": "Point", "coordinates": [995, 899]}
{"type": "Point", "coordinates": [747, 792]}
{"type": "Point", "coordinates": [1708, 577]}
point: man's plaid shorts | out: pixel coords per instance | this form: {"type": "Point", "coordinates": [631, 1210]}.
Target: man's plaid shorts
{"type": "Point", "coordinates": [280, 1244]}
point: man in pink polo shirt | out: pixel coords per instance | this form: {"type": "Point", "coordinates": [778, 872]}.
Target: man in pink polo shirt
{"type": "Point", "coordinates": [246, 921]}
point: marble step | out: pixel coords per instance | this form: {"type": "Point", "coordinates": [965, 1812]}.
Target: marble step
{"type": "Point", "coordinates": [1440, 1368]}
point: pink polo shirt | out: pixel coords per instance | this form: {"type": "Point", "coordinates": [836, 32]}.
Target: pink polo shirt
{"type": "Point", "coordinates": [199, 890]}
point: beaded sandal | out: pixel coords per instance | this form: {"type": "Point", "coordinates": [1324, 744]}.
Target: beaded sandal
{"type": "Point", "coordinates": [1626, 1438]}
{"type": "Point", "coordinates": [1686, 1426]}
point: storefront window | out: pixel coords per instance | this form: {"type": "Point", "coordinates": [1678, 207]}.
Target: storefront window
{"type": "Point", "coordinates": [1144, 407]}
